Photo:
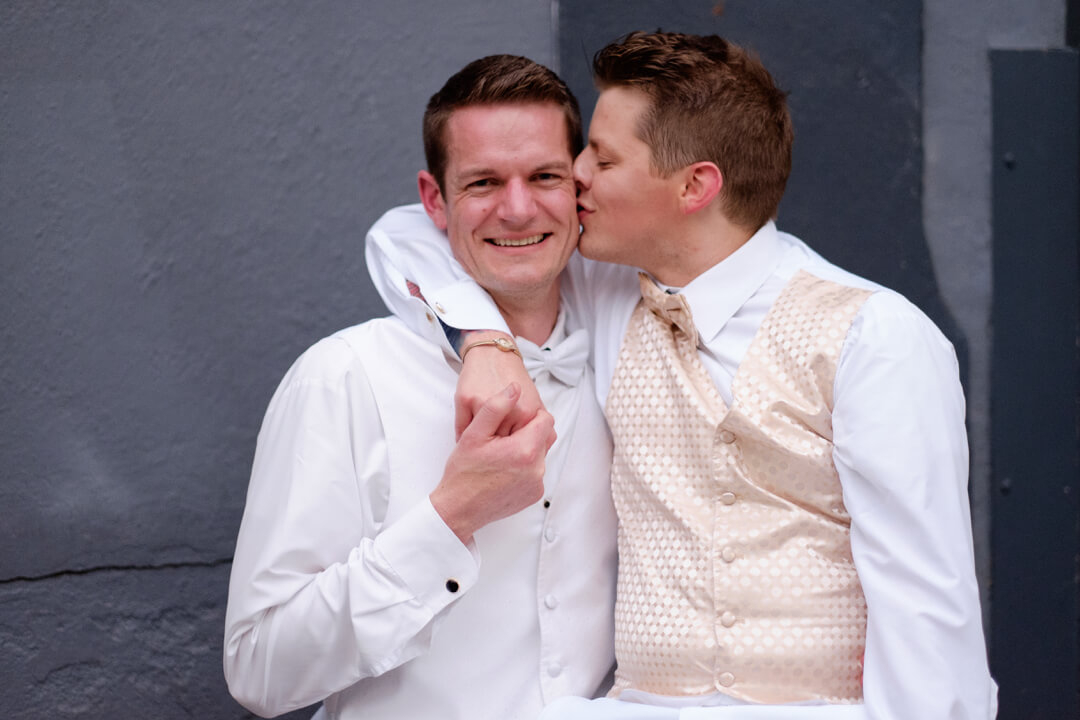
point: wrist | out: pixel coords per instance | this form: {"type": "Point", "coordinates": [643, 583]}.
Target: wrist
{"type": "Point", "coordinates": [499, 343]}
{"type": "Point", "coordinates": [454, 515]}
{"type": "Point", "coordinates": [465, 338]}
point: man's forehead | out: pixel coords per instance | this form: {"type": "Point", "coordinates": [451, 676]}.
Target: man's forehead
{"type": "Point", "coordinates": [530, 135]}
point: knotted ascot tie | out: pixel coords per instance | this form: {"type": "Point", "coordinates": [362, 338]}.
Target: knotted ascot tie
{"type": "Point", "coordinates": [565, 362]}
{"type": "Point", "coordinates": [735, 571]}
{"type": "Point", "coordinates": [673, 310]}
{"type": "Point", "coordinates": [669, 306]}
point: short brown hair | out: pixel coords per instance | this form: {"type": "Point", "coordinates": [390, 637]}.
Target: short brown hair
{"type": "Point", "coordinates": [710, 100]}
{"type": "Point", "coordinates": [492, 80]}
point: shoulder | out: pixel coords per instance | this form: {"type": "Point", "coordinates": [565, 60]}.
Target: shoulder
{"type": "Point", "coordinates": [887, 322]}
{"type": "Point", "coordinates": [347, 353]}
{"type": "Point", "coordinates": [800, 256]}
{"type": "Point", "coordinates": [884, 307]}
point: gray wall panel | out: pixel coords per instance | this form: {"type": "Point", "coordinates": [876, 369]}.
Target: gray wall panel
{"type": "Point", "coordinates": [184, 189]}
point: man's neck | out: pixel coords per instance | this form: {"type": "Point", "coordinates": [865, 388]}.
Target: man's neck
{"type": "Point", "coordinates": [697, 244]}
{"type": "Point", "coordinates": [531, 316]}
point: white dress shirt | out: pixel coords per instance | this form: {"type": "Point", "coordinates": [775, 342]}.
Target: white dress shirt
{"type": "Point", "coordinates": [900, 447]}
{"type": "Point", "coordinates": [348, 588]}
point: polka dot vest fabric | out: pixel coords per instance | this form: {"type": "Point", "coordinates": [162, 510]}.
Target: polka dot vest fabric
{"type": "Point", "coordinates": [735, 569]}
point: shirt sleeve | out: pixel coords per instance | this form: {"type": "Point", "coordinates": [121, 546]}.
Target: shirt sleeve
{"type": "Point", "coordinates": [404, 246]}
{"type": "Point", "coordinates": [901, 452]}
{"type": "Point", "coordinates": [323, 592]}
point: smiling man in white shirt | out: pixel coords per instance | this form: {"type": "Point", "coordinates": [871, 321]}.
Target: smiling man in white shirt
{"type": "Point", "coordinates": [790, 467]}
{"type": "Point", "coordinates": [380, 567]}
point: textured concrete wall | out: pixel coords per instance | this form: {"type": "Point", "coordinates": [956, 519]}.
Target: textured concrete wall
{"type": "Point", "coordinates": [184, 189]}
{"type": "Point", "coordinates": [958, 37]}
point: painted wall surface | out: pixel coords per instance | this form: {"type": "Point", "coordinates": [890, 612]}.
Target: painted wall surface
{"type": "Point", "coordinates": [184, 189]}
{"type": "Point", "coordinates": [183, 193]}
{"type": "Point", "coordinates": [958, 37]}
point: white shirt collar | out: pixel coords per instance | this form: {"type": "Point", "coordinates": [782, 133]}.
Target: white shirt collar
{"type": "Point", "coordinates": [717, 294]}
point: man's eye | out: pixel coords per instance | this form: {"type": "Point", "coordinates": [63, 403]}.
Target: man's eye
{"type": "Point", "coordinates": [603, 163]}
{"type": "Point", "coordinates": [482, 183]}
{"type": "Point", "coordinates": [543, 177]}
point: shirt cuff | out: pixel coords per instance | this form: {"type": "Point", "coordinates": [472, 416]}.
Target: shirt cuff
{"type": "Point", "coordinates": [466, 306]}
{"type": "Point", "coordinates": [427, 555]}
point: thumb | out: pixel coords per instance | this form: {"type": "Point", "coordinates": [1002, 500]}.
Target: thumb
{"type": "Point", "coordinates": [540, 431]}
{"type": "Point", "coordinates": [491, 414]}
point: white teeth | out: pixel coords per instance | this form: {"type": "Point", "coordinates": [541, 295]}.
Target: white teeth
{"type": "Point", "coordinates": [507, 242]}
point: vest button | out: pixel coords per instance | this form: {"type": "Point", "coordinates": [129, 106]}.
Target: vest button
{"type": "Point", "coordinates": [728, 554]}
{"type": "Point", "coordinates": [727, 619]}
{"type": "Point", "coordinates": [728, 498]}
{"type": "Point", "coordinates": [726, 679]}
{"type": "Point", "coordinates": [726, 436]}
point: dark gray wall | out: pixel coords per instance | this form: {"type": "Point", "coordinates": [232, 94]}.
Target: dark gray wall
{"type": "Point", "coordinates": [184, 189]}
{"type": "Point", "coordinates": [958, 36]}
{"type": "Point", "coordinates": [1036, 183]}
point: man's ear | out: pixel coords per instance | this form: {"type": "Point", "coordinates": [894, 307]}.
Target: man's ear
{"type": "Point", "coordinates": [702, 182]}
{"type": "Point", "coordinates": [432, 198]}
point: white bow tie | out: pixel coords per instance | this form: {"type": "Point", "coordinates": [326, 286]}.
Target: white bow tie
{"type": "Point", "coordinates": [565, 362]}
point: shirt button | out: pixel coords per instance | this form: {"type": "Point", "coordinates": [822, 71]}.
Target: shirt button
{"type": "Point", "coordinates": [550, 534]}
{"type": "Point", "coordinates": [452, 585]}
{"type": "Point", "coordinates": [728, 554]}
{"type": "Point", "coordinates": [440, 309]}
{"type": "Point", "coordinates": [727, 619]}
{"type": "Point", "coordinates": [554, 669]}
{"type": "Point", "coordinates": [726, 436]}
{"type": "Point", "coordinates": [551, 601]}
{"type": "Point", "coordinates": [726, 679]}
{"type": "Point", "coordinates": [728, 498]}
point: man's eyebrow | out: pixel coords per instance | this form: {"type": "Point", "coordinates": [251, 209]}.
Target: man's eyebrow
{"type": "Point", "coordinates": [554, 165]}
{"type": "Point", "coordinates": [597, 145]}
{"type": "Point", "coordinates": [476, 170]}
{"type": "Point", "coordinates": [468, 174]}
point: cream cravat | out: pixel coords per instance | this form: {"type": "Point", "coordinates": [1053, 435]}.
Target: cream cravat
{"type": "Point", "coordinates": [669, 306]}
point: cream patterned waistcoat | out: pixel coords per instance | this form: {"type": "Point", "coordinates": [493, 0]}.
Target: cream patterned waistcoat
{"type": "Point", "coordinates": [735, 569]}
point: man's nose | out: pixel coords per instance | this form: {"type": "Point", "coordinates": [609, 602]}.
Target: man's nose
{"type": "Point", "coordinates": [518, 204]}
{"type": "Point", "coordinates": [582, 175]}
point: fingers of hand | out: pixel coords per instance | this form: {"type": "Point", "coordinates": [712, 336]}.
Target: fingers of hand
{"type": "Point", "coordinates": [493, 413]}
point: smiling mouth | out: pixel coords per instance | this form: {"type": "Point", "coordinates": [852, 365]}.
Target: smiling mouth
{"type": "Point", "coordinates": [518, 242]}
